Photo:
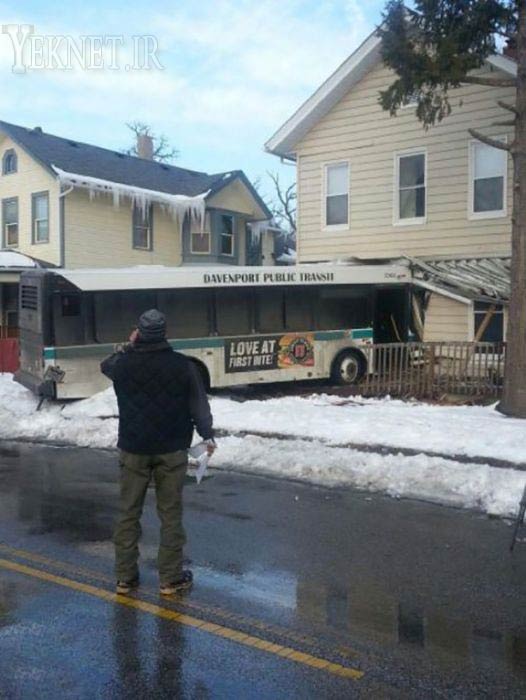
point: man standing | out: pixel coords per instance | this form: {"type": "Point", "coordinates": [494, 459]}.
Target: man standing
{"type": "Point", "coordinates": [161, 399]}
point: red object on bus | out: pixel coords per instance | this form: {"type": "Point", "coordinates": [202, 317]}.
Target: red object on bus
{"type": "Point", "coordinates": [9, 355]}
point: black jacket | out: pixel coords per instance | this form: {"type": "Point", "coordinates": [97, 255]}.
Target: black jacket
{"type": "Point", "coordinates": [161, 399]}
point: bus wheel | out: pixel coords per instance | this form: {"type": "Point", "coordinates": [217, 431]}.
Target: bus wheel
{"type": "Point", "coordinates": [348, 367]}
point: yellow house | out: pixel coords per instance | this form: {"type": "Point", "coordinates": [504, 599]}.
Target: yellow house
{"type": "Point", "coordinates": [372, 186]}
{"type": "Point", "coordinates": [71, 204]}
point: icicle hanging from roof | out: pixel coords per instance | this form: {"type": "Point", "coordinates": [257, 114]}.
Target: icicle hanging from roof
{"type": "Point", "coordinates": [178, 205]}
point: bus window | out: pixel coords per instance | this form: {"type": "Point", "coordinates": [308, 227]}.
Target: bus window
{"type": "Point", "coordinates": [68, 323]}
{"type": "Point", "coordinates": [186, 312]}
{"type": "Point", "coordinates": [299, 305]}
{"type": "Point", "coordinates": [341, 309]}
{"type": "Point", "coordinates": [233, 315]}
{"type": "Point", "coordinates": [270, 311]}
{"type": "Point", "coordinates": [116, 313]}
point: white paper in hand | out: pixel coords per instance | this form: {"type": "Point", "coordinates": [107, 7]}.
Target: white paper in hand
{"type": "Point", "coordinates": [200, 453]}
{"type": "Point", "coordinates": [202, 466]}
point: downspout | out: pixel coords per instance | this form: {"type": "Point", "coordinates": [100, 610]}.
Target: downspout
{"type": "Point", "coordinates": [62, 224]}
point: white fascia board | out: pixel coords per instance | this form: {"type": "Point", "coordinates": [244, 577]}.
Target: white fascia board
{"type": "Point", "coordinates": [160, 277]}
{"type": "Point", "coordinates": [439, 290]}
{"type": "Point", "coordinates": [326, 96]}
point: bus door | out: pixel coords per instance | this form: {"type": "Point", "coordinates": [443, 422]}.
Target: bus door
{"type": "Point", "coordinates": [391, 315]}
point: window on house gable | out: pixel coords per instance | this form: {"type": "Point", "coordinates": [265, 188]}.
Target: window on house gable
{"type": "Point", "coordinates": [142, 223]}
{"type": "Point", "coordinates": [226, 245]}
{"type": "Point", "coordinates": [9, 162]}
{"type": "Point", "coordinates": [337, 194]}
{"type": "Point", "coordinates": [40, 202]}
{"type": "Point", "coordinates": [411, 186]}
{"type": "Point", "coordinates": [488, 172]}
{"type": "Point", "coordinates": [10, 219]}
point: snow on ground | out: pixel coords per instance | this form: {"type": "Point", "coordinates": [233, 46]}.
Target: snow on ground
{"type": "Point", "coordinates": [327, 421]}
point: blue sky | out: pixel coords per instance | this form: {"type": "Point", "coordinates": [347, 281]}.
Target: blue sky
{"type": "Point", "coordinates": [233, 71]}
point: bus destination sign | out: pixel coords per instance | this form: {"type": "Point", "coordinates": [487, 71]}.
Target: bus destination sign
{"type": "Point", "coordinates": [250, 278]}
{"type": "Point", "coordinates": [269, 352]}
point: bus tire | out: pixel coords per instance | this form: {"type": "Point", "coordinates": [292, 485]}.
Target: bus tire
{"type": "Point", "coordinates": [203, 372]}
{"type": "Point", "coordinates": [348, 367]}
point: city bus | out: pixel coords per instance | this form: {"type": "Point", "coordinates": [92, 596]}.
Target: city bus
{"type": "Point", "coordinates": [240, 325]}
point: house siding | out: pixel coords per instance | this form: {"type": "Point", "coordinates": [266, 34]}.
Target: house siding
{"type": "Point", "coordinates": [359, 131]}
{"type": "Point", "coordinates": [98, 234]}
{"type": "Point", "coordinates": [30, 178]}
{"type": "Point", "coordinates": [447, 319]}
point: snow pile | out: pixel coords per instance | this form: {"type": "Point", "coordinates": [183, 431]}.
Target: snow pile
{"type": "Point", "coordinates": [10, 258]}
{"type": "Point", "coordinates": [327, 421]}
{"type": "Point", "coordinates": [475, 431]}
{"type": "Point", "coordinates": [493, 490]}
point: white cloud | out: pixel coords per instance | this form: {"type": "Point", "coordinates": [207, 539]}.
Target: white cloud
{"type": "Point", "coordinates": [234, 71]}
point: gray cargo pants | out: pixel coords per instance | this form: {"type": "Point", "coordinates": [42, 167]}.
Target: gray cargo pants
{"type": "Point", "coordinates": [168, 471]}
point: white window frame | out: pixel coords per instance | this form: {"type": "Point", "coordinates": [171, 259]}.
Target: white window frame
{"type": "Point", "coordinates": [35, 240]}
{"type": "Point", "coordinates": [232, 237]}
{"type": "Point", "coordinates": [200, 233]}
{"type": "Point", "coordinates": [497, 213]}
{"type": "Point", "coordinates": [416, 220]}
{"type": "Point", "coordinates": [8, 225]}
{"type": "Point", "coordinates": [325, 168]}
{"type": "Point", "coordinates": [148, 228]}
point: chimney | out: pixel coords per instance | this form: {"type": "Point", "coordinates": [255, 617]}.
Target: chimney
{"type": "Point", "coordinates": [145, 146]}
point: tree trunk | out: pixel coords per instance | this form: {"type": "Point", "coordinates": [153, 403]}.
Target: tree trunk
{"type": "Point", "coordinates": [513, 401]}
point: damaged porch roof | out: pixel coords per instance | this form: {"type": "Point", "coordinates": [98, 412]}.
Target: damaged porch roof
{"type": "Point", "coordinates": [470, 279]}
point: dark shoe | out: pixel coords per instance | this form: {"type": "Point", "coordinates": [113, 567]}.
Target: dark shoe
{"type": "Point", "coordinates": [126, 587]}
{"type": "Point", "coordinates": [182, 584]}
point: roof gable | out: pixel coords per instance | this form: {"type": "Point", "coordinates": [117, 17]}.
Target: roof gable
{"type": "Point", "coordinates": [345, 77]}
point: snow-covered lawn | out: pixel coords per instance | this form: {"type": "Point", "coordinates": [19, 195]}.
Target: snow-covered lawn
{"type": "Point", "coordinates": [320, 428]}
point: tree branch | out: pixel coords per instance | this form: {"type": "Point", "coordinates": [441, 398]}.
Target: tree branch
{"type": "Point", "coordinates": [510, 108]}
{"type": "Point", "coordinates": [494, 143]}
{"type": "Point", "coordinates": [489, 82]}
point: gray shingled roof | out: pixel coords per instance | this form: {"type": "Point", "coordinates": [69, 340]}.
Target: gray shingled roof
{"type": "Point", "coordinates": [85, 159]}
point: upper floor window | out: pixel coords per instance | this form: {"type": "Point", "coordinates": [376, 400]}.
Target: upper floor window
{"type": "Point", "coordinates": [9, 162]}
{"type": "Point", "coordinates": [226, 243]}
{"type": "Point", "coordinates": [488, 167]}
{"type": "Point", "coordinates": [40, 217]}
{"type": "Point", "coordinates": [337, 194]}
{"type": "Point", "coordinates": [143, 227]}
{"type": "Point", "coordinates": [410, 200]}
{"type": "Point", "coordinates": [10, 219]}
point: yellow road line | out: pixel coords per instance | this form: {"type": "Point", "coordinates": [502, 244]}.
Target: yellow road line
{"type": "Point", "coordinates": [189, 621]}
{"type": "Point", "coordinates": [201, 609]}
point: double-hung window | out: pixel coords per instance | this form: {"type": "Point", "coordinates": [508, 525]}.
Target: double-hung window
{"type": "Point", "coordinates": [410, 194]}
{"type": "Point", "coordinates": [337, 195]}
{"type": "Point", "coordinates": [10, 219]}
{"type": "Point", "coordinates": [226, 241]}
{"type": "Point", "coordinates": [488, 168]}
{"type": "Point", "coordinates": [142, 227]}
{"type": "Point", "coordinates": [40, 218]}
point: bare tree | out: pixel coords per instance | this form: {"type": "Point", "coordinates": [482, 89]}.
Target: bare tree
{"type": "Point", "coordinates": [163, 151]}
{"type": "Point", "coordinates": [284, 206]}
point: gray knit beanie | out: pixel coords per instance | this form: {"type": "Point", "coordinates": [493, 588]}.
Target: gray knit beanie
{"type": "Point", "coordinates": [152, 326]}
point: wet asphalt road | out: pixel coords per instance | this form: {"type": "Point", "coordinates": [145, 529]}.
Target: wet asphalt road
{"type": "Point", "coordinates": [425, 601]}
